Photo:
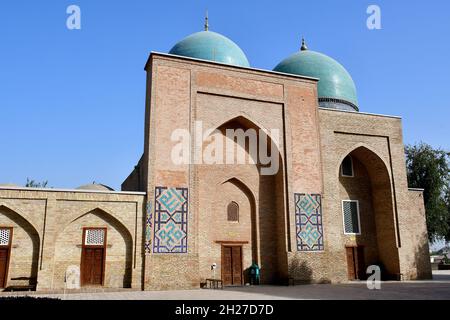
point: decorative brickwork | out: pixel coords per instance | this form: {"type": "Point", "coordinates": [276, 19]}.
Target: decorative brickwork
{"type": "Point", "coordinates": [148, 228]}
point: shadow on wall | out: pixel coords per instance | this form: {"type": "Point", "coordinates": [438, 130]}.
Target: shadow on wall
{"type": "Point", "coordinates": [125, 278]}
{"type": "Point", "coordinates": [29, 266]}
{"type": "Point", "coordinates": [247, 276]}
{"type": "Point", "coordinates": [146, 207]}
{"type": "Point", "coordinates": [422, 263]}
{"type": "Point", "coordinates": [300, 270]}
{"type": "Point", "coordinates": [302, 273]}
{"type": "Point", "coordinates": [121, 279]}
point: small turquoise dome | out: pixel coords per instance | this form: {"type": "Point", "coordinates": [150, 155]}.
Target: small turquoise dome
{"type": "Point", "coordinates": [336, 88]}
{"type": "Point", "coordinates": [208, 45]}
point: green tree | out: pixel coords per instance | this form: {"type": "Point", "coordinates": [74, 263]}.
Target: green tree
{"type": "Point", "coordinates": [34, 184]}
{"type": "Point", "coordinates": [428, 168]}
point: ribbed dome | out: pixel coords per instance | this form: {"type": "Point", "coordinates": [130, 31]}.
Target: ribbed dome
{"type": "Point", "coordinates": [336, 88]}
{"type": "Point", "coordinates": [95, 187]}
{"type": "Point", "coordinates": [9, 185]}
{"type": "Point", "coordinates": [208, 45]}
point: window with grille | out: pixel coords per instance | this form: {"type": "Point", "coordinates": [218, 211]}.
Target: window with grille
{"type": "Point", "coordinates": [350, 210]}
{"type": "Point", "coordinates": [233, 211]}
{"type": "Point", "coordinates": [94, 237]}
{"type": "Point", "coordinates": [347, 167]}
{"type": "Point", "coordinates": [4, 236]}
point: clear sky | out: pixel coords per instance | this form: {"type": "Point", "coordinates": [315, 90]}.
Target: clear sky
{"type": "Point", "coordinates": [72, 101]}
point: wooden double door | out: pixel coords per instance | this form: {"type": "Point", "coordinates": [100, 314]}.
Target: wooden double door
{"type": "Point", "coordinates": [355, 263]}
{"type": "Point", "coordinates": [4, 255]}
{"type": "Point", "coordinates": [232, 265]}
{"type": "Point", "coordinates": [92, 266]}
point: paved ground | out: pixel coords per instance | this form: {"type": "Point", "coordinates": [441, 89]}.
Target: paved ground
{"type": "Point", "coordinates": [438, 288]}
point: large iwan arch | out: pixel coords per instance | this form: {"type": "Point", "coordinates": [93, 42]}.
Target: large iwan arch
{"type": "Point", "coordinates": [369, 187]}
{"type": "Point", "coordinates": [262, 216]}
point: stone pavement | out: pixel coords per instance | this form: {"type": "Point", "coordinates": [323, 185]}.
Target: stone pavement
{"type": "Point", "coordinates": [438, 288]}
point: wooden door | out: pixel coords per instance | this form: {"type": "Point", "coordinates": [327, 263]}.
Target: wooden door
{"type": "Point", "coordinates": [232, 265]}
{"type": "Point", "coordinates": [350, 263]}
{"type": "Point", "coordinates": [4, 252]}
{"type": "Point", "coordinates": [92, 266]}
{"type": "Point", "coordinates": [237, 265]}
{"type": "Point", "coordinates": [227, 270]}
{"type": "Point", "coordinates": [356, 267]}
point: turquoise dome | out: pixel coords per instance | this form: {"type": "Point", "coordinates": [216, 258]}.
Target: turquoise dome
{"type": "Point", "coordinates": [208, 45]}
{"type": "Point", "coordinates": [336, 88]}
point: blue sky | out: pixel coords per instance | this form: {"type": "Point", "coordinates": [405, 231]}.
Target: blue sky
{"type": "Point", "coordinates": [72, 101]}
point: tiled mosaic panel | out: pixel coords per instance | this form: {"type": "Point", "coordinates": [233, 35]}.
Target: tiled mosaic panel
{"type": "Point", "coordinates": [4, 237]}
{"type": "Point", "coordinates": [95, 237]}
{"type": "Point", "coordinates": [308, 222]}
{"type": "Point", "coordinates": [171, 220]}
{"type": "Point", "coordinates": [148, 229]}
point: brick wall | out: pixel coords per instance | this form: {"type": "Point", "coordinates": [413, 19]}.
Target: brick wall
{"type": "Point", "coordinates": [47, 233]}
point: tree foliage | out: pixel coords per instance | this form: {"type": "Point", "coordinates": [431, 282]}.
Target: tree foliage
{"type": "Point", "coordinates": [428, 168]}
{"type": "Point", "coordinates": [34, 184]}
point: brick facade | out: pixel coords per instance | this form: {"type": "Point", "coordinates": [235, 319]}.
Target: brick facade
{"type": "Point", "coordinates": [311, 145]}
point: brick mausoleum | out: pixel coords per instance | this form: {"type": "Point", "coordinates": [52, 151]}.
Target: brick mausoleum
{"type": "Point", "coordinates": [338, 202]}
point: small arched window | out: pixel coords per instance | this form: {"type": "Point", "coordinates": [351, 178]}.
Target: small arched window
{"type": "Point", "coordinates": [347, 167]}
{"type": "Point", "coordinates": [233, 212]}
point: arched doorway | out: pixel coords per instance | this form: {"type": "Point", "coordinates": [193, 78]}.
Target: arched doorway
{"type": "Point", "coordinates": [259, 234]}
{"type": "Point", "coordinates": [19, 249]}
{"type": "Point", "coordinates": [236, 231]}
{"type": "Point", "coordinates": [368, 217]}
{"type": "Point", "coordinates": [100, 245]}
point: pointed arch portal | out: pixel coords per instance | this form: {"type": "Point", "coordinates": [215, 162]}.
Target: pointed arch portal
{"type": "Point", "coordinates": [368, 206]}
{"type": "Point", "coordinates": [22, 248]}
{"type": "Point", "coordinates": [260, 198]}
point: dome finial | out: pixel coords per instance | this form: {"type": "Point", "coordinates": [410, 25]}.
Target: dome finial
{"type": "Point", "coordinates": [206, 21]}
{"type": "Point", "coordinates": [304, 47]}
